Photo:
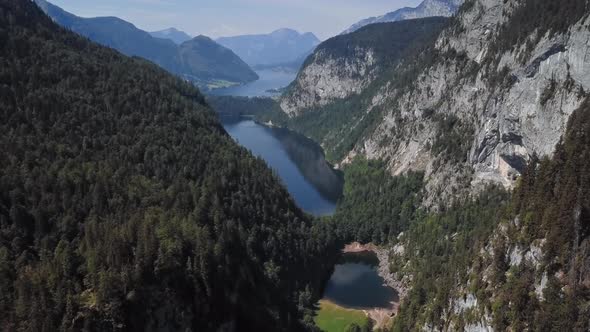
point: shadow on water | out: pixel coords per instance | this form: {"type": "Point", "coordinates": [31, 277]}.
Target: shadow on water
{"type": "Point", "coordinates": [356, 284]}
{"type": "Point", "coordinates": [299, 161]}
{"type": "Point", "coordinates": [362, 257]}
{"type": "Point", "coordinates": [309, 158]}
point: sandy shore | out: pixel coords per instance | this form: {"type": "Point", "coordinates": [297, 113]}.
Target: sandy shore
{"type": "Point", "coordinates": [381, 316]}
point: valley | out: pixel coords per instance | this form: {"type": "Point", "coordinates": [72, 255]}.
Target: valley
{"type": "Point", "coordinates": [298, 161]}
{"type": "Point", "coordinates": [268, 84]}
{"type": "Point", "coordinates": [424, 170]}
{"type": "Point", "coordinates": [431, 163]}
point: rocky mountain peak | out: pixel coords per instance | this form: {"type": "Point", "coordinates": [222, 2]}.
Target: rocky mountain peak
{"type": "Point", "coordinates": [427, 8]}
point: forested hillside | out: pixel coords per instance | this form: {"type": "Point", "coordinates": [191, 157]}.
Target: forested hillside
{"type": "Point", "coordinates": [200, 60]}
{"type": "Point", "coordinates": [125, 206]}
{"type": "Point", "coordinates": [520, 264]}
{"type": "Point", "coordinates": [496, 115]}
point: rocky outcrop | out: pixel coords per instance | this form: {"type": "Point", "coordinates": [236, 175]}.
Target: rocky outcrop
{"type": "Point", "coordinates": [507, 123]}
{"type": "Point", "coordinates": [428, 8]}
{"type": "Point", "coordinates": [397, 282]}
{"type": "Point", "coordinates": [346, 65]}
{"type": "Point", "coordinates": [329, 77]}
{"type": "Point", "coordinates": [478, 111]}
{"type": "Point", "coordinates": [496, 89]}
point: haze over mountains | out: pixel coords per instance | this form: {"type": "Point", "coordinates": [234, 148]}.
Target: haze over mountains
{"type": "Point", "coordinates": [428, 8]}
{"type": "Point", "coordinates": [463, 144]}
{"type": "Point", "coordinates": [173, 34]}
{"type": "Point", "coordinates": [210, 61]}
{"type": "Point", "coordinates": [207, 64]}
{"type": "Point", "coordinates": [278, 47]}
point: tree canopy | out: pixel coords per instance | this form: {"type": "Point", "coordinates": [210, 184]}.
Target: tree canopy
{"type": "Point", "coordinates": [125, 206]}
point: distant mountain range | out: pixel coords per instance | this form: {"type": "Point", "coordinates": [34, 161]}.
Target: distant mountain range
{"type": "Point", "coordinates": [279, 47]}
{"type": "Point", "coordinates": [210, 62]}
{"type": "Point", "coordinates": [173, 34]}
{"type": "Point", "coordinates": [428, 8]}
{"type": "Point", "coordinates": [200, 60]}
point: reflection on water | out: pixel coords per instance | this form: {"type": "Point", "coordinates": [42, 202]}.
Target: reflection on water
{"type": "Point", "coordinates": [299, 162]}
{"type": "Point", "coordinates": [355, 283]}
{"type": "Point", "coordinates": [309, 159]}
{"type": "Point", "coordinates": [266, 86]}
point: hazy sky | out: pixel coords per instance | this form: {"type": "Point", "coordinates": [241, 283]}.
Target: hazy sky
{"type": "Point", "coordinates": [217, 18]}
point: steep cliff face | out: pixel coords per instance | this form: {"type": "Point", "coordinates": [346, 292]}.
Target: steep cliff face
{"type": "Point", "coordinates": [493, 92]}
{"type": "Point", "coordinates": [509, 102]}
{"type": "Point", "coordinates": [327, 78]}
{"type": "Point", "coordinates": [518, 265]}
{"type": "Point", "coordinates": [345, 65]}
{"type": "Point", "coordinates": [505, 83]}
{"type": "Point", "coordinates": [496, 88]}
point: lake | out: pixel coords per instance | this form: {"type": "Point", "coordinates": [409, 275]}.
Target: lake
{"type": "Point", "coordinates": [298, 161]}
{"type": "Point", "coordinates": [269, 79]}
{"type": "Point", "coordinates": [356, 284]}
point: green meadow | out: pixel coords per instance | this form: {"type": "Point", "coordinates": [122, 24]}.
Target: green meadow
{"type": "Point", "coordinates": [334, 318]}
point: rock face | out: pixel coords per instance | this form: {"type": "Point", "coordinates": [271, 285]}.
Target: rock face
{"type": "Point", "coordinates": [327, 78]}
{"type": "Point", "coordinates": [510, 122]}
{"type": "Point", "coordinates": [428, 8]}
{"type": "Point", "coordinates": [345, 65]}
{"type": "Point", "coordinates": [478, 110]}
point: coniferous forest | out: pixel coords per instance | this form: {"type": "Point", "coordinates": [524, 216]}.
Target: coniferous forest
{"type": "Point", "coordinates": [125, 206]}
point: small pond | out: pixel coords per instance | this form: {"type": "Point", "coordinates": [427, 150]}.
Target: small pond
{"type": "Point", "coordinates": [356, 284]}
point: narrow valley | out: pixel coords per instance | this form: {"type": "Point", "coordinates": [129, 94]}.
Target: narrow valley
{"type": "Point", "coordinates": [423, 169]}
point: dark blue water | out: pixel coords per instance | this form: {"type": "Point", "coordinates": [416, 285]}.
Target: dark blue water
{"type": "Point", "coordinates": [356, 284]}
{"type": "Point", "coordinates": [299, 162]}
{"type": "Point", "coordinates": [269, 80]}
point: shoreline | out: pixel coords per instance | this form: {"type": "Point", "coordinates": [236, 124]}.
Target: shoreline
{"type": "Point", "coordinates": [381, 316]}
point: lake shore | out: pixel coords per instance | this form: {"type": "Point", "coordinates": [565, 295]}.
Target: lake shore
{"type": "Point", "coordinates": [381, 316]}
{"type": "Point", "coordinates": [333, 317]}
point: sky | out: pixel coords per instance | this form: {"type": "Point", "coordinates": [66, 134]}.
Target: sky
{"type": "Point", "coordinates": [216, 18]}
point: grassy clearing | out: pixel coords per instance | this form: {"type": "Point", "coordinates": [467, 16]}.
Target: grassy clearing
{"type": "Point", "coordinates": [333, 318]}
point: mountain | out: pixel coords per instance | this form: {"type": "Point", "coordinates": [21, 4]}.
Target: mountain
{"type": "Point", "coordinates": [292, 66]}
{"type": "Point", "coordinates": [453, 87]}
{"type": "Point", "coordinates": [173, 34]}
{"type": "Point", "coordinates": [129, 40]}
{"type": "Point", "coordinates": [345, 66]}
{"type": "Point", "coordinates": [279, 47]}
{"type": "Point", "coordinates": [464, 160]}
{"type": "Point", "coordinates": [464, 144]}
{"type": "Point", "coordinates": [210, 61]}
{"type": "Point", "coordinates": [427, 8]}
{"type": "Point", "coordinates": [125, 206]}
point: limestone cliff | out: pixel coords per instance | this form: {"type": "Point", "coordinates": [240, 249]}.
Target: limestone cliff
{"type": "Point", "coordinates": [346, 65]}
{"type": "Point", "coordinates": [496, 88]}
